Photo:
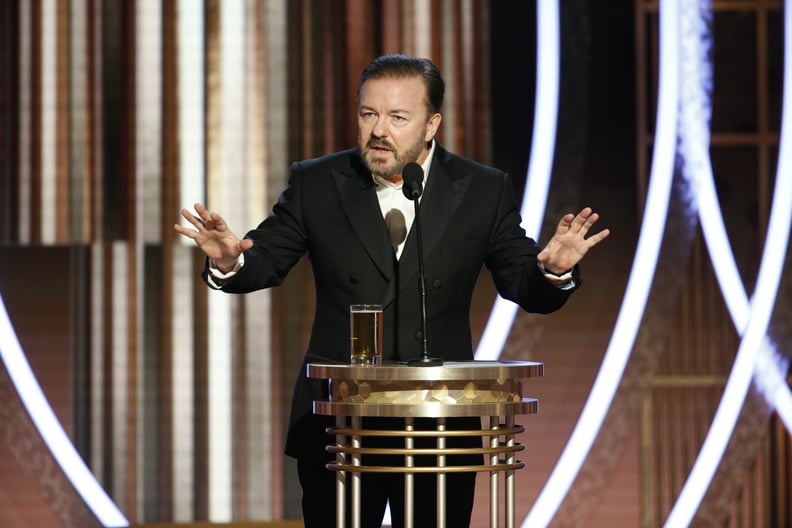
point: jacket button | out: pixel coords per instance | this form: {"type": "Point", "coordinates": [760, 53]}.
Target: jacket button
{"type": "Point", "coordinates": [353, 279]}
{"type": "Point", "coordinates": [437, 283]}
{"type": "Point", "coordinates": [418, 335]}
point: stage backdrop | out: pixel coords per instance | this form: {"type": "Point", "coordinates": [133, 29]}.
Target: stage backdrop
{"type": "Point", "coordinates": [116, 114]}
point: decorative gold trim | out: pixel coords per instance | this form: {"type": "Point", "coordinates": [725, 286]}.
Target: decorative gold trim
{"type": "Point", "coordinates": [425, 451]}
{"type": "Point", "coordinates": [426, 469]}
{"type": "Point", "coordinates": [427, 433]}
{"type": "Point", "coordinates": [427, 410]}
{"type": "Point", "coordinates": [450, 370]}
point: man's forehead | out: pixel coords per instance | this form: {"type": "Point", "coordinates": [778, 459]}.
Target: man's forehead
{"type": "Point", "coordinates": [409, 91]}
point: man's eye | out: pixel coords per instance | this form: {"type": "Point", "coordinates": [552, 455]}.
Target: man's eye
{"type": "Point", "coordinates": [399, 119]}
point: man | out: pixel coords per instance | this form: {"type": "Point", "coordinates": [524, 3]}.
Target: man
{"type": "Point", "coordinates": [340, 209]}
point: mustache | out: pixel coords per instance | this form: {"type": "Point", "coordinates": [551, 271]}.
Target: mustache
{"type": "Point", "coordinates": [379, 143]}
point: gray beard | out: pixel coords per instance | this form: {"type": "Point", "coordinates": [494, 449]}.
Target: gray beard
{"type": "Point", "coordinates": [399, 163]}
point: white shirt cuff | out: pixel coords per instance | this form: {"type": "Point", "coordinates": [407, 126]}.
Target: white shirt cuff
{"type": "Point", "coordinates": [562, 282]}
{"type": "Point", "coordinates": [215, 273]}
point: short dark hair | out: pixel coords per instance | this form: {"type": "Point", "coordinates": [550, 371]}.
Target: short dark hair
{"type": "Point", "coordinates": [400, 66]}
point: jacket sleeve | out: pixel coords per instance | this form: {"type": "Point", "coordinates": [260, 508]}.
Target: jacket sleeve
{"type": "Point", "coordinates": [278, 243]}
{"type": "Point", "coordinates": [511, 259]}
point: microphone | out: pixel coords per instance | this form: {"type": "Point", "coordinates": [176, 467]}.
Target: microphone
{"type": "Point", "coordinates": [412, 176]}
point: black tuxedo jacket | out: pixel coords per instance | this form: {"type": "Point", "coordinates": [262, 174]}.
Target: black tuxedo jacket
{"type": "Point", "coordinates": [469, 219]}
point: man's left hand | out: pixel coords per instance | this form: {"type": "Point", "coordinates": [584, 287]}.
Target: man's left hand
{"type": "Point", "coordinates": [569, 243]}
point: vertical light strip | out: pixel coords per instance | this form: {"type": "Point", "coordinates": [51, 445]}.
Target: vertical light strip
{"type": "Point", "coordinates": [276, 117]}
{"type": "Point", "coordinates": [449, 57]}
{"type": "Point", "coordinates": [423, 28]}
{"type": "Point", "coordinates": [148, 117]}
{"type": "Point", "coordinates": [148, 217]}
{"type": "Point", "coordinates": [258, 364]}
{"type": "Point", "coordinates": [233, 80]}
{"type": "Point", "coordinates": [50, 428]}
{"type": "Point", "coordinates": [466, 69]}
{"type": "Point", "coordinates": [48, 146]}
{"type": "Point", "coordinates": [99, 268]}
{"type": "Point", "coordinates": [257, 346]}
{"type": "Point", "coordinates": [192, 170]}
{"type": "Point", "coordinates": [191, 103]}
{"type": "Point", "coordinates": [79, 182]}
{"type": "Point", "coordinates": [98, 324]}
{"type": "Point", "coordinates": [233, 177]}
{"type": "Point", "coordinates": [548, 66]}
{"type": "Point", "coordinates": [25, 125]}
{"type": "Point", "coordinates": [220, 408]}
{"type": "Point", "coordinates": [119, 369]}
{"type": "Point", "coordinates": [638, 285]}
{"type": "Point", "coordinates": [761, 307]}
{"type": "Point", "coordinates": [182, 386]}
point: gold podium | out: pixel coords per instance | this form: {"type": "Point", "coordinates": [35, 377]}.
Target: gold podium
{"type": "Point", "coordinates": [486, 389]}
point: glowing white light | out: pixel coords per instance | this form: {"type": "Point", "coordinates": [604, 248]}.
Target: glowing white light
{"type": "Point", "coordinates": [540, 165]}
{"type": "Point", "coordinates": [761, 306]}
{"type": "Point", "coordinates": [740, 376]}
{"type": "Point", "coordinates": [643, 269]}
{"type": "Point", "coordinates": [192, 167]}
{"type": "Point", "coordinates": [50, 429]}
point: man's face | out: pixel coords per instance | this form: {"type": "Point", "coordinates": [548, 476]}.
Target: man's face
{"type": "Point", "coordinates": [394, 127]}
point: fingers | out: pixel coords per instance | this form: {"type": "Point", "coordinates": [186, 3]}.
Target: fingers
{"type": "Point", "coordinates": [580, 223]}
{"type": "Point", "coordinates": [593, 240]}
{"type": "Point", "coordinates": [192, 219]}
{"type": "Point", "coordinates": [583, 222]}
{"type": "Point", "coordinates": [203, 220]}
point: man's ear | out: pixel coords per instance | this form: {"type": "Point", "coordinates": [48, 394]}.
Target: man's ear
{"type": "Point", "coordinates": [432, 125]}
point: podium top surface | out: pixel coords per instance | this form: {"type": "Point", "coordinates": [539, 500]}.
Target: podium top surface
{"type": "Point", "coordinates": [449, 370]}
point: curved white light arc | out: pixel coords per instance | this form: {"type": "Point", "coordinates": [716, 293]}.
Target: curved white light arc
{"type": "Point", "coordinates": [548, 58]}
{"type": "Point", "coordinates": [739, 380]}
{"type": "Point", "coordinates": [638, 285]}
{"type": "Point", "coordinates": [762, 304]}
{"type": "Point", "coordinates": [697, 168]}
{"type": "Point", "coordinates": [50, 428]}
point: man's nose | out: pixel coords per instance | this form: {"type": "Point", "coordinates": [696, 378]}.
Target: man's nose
{"type": "Point", "coordinates": [380, 128]}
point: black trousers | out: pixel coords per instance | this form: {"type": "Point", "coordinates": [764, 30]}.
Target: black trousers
{"type": "Point", "coordinates": [377, 489]}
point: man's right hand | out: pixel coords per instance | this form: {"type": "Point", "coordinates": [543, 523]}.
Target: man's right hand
{"type": "Point", "coordinates": [213, 236]}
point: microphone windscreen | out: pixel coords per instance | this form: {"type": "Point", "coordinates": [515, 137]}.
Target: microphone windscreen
{"type": "Point", "coordinates": [397, 227]}
{"type": "Point", "coordinates": [413, 180]}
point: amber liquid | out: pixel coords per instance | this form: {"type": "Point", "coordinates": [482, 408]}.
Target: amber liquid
{"type": "Point", "coordinates": [366, 331]}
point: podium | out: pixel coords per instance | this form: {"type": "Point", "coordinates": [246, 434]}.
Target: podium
{"type": "Point", "coordinates": [491, 390]}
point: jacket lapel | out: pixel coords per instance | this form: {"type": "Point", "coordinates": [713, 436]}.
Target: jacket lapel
{"type": "Point", "coordinates": [359, 201]}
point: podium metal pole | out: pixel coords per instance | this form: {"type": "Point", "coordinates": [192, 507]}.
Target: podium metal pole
{"type": "Point", "coordinates": [494, 513]}
{"type": "Point", "coordinates": [509, 474]}
{"type": "Point", "coordinates": [356, 475]}
{"type": "Point", "coordinates": [441, 477]}
{"type": "Point", "coordinates": [409, 477]}
{"type": "Point", "coordinates": [340, 475]}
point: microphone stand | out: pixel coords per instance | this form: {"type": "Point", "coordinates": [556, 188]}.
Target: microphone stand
{"type": "Point", "coordinates": [425, 360]}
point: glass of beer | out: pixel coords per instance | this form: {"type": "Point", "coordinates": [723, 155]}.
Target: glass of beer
{"type": "Point", "coordinates": [365, 328]}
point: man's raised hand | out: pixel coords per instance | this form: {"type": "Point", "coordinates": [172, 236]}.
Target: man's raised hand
{"type": "Point", "coordinates": [569, 243]}
{"type": "Point", "coordinates": [213, 236]}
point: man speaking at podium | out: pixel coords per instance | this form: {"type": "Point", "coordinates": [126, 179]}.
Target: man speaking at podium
{"type": "Point", "coordinates": [347, 211]}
